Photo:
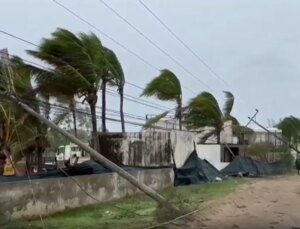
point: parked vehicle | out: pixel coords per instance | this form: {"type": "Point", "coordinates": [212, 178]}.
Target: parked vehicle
{"type": "Point", "coordinates": [69, 154]}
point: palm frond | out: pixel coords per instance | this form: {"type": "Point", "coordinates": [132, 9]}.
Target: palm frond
{"type": "Point", "coordinates": [228, 104]}
{"type": "Point", "coordinates": [152, 121]}
{"type": "Point", "coordinates": [165, 87]}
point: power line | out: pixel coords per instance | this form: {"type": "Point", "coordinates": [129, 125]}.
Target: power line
{"type": "Point", "coordinates": [112, 39]}
{"type": "Point", "coordinates": [183, 43]}
{"type": "Point", "coordinates": [31, 43]}
{"type": "Point", "coordinates": [154, 44]}
{"type": "Point", "coordinates": [106, 35]}
{"type": "Point", "coordinates": [200, 59]}
{"type": "Point", "coordinates": [136, 98]}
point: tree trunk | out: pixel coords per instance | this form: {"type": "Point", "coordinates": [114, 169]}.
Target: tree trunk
{"type": "Point", "coordinates": [121, 109]}
{"type": "Point", "coordinates": [180, 114]}
{"type": "Point", "coordinates": [218, 136]}
{"type": "Point", "coordinates": [103, 118]}
{"type": "Point", "coordinates": [94, 127]}
{"type": "Point", "coordinates": [92, 101]}
{"type": "Point", "coordinates": [39, 159]}
{"type": "Point", "coordinates": [74, 121]}
{"type": "Point", "coordinates": [127, 176]}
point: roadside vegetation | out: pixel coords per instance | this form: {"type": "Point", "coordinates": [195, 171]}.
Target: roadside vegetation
{"type": "Point", "coordinates": [132, 212]}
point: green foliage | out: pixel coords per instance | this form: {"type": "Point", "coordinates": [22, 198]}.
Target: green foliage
{"type": "Point", "coordinates": [165, 87]}
{"type": "Point", "coordinates": [80, 65]}
{"type": "Point", "coordinates": [259, 150]}
{"type": "Point", "coordinates": [134, 212]}
{"type": "Point", "coordinates": [151, 122]}
{"type": "Point", "coordinates": [290, 127]}
{"type": "Point", "coordinates": [228, 104]}
{"type": "Point", "coordinates": [79, 61]}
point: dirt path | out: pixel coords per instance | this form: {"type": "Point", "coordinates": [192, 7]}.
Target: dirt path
{"type": "Point", "coordinates": [263, 203]}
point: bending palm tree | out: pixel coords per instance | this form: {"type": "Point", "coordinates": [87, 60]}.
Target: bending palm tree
{"type": "Point", "coordinates": [81, 64]}
{"type": "Point", "coordinates": [204, 110]}
{"type": "Point", "coordinates": [114, 77]}
{"type": "Point", "coordinates": [166, 87]}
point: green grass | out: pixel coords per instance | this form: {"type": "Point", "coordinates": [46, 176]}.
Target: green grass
{"type": "Point", "coordinates": [131, 212]}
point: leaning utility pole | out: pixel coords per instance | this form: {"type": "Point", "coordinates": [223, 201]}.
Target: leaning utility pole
{"type": "Point", "coordinates": [147, 190]}
{"type": "Point", "coordinates": [276, 136]}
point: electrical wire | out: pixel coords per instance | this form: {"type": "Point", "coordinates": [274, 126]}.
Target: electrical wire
{"type": "Point", "coordinates": [155, 44]}
{"type": "Point", "coordinates": [112, 39]}
{"type": "Point", "coordinates": [200, 59]}
{"type": "Point", "coordinates": [136, 98]}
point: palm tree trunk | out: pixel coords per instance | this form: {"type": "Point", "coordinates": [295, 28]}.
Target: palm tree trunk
{"type": "Point", "coordinates": [121, 109]}
{"type": "Point", "coordinates": [94, 127]}
{"type": "Point", "coordinates": [103, 118]}
{"type": "Point", "coordinates": [92, 101]}
{"type": "Point", "coordinates": [180, 114]}
{"type": "Point", "coordinates": [74, 122]}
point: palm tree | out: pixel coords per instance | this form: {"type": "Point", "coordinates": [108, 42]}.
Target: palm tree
{"type": "Point", "coordinates": [81, 64]}
{"type": "Point", "coordinates": [204, 110]}
{"type": "Point", "coordinates": [21, 134]}
{"type": "Point", "coordinates": [114, 77]}
{"type": "Point", "coordinates": [49, 87]}
{"type": "Point", "coordinates": [166, 87]}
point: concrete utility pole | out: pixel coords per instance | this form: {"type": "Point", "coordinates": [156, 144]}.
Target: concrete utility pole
{"type": "Point", "coordinates": [276, 136]}
{"type": "Point", "coordinates": [147, 190]}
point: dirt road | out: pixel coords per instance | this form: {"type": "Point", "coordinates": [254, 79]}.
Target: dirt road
{"type": "Point", "coordinates": [262, 203]}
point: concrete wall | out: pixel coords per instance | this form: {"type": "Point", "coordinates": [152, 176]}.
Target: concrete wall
{"type": "Point", "coordinates": [58, 194]}
{"type": "Point", "coordinates": [148, 148]}
{"type": "Point", "coordinates": [212, 153]}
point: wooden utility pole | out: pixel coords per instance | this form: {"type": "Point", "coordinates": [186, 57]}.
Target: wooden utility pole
{"type": "Point", "coordinates": [147, 190]}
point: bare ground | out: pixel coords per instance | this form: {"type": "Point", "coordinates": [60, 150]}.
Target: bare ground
{"type": "Point", "coordinates": [262, 203]}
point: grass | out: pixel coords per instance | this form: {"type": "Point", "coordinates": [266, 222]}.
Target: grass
{"type": "Point", "coordinates": [131, 212]}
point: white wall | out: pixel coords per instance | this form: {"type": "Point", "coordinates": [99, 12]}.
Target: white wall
{"type": "Point", "coordinates": [182, 145]}
{"type": "Point", "coordinates": [211, 153]}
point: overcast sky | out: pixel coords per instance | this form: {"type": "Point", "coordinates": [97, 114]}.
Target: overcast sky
{"type": "Point", "coordinates": [253, 45]}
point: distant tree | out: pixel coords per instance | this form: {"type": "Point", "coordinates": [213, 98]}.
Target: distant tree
{"type": "Point", "coordinates": [290, 127]}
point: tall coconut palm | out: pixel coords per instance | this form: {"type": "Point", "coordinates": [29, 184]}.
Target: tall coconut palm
{"type": "Point", "coordinates": [166, 87]}
{"type": "Point", "coordinates": [81, 63]}
{"type": "Point", "coordinates": [204, 110]}
{"type": "Point", "coordinates": [115, 78]}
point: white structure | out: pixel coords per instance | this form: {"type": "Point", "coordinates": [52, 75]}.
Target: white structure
{"type": "Point", "coordinates": [70, 152]}
{"type": "Point", "coordinates": [264, 137]}
{"type": "Point", "coordinates": [213, 154]}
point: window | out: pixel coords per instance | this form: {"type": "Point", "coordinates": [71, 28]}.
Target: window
{"type": "Point", "coordinates": [74, 148]}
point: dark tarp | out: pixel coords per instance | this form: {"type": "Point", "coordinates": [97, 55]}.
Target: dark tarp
{"type": "Point", "coordinates": [250, 167]}
{"type": "Point", "coordinates": [195, 171]}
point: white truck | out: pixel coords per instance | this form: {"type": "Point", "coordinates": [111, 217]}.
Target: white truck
{"type": "Point", "coordinates": [70, 153]}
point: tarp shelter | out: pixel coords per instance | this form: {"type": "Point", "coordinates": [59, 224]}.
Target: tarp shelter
{"type": "Point", "coordinates": [250, 167]}
{"type": "Point", "coordinates": [195, 171]}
